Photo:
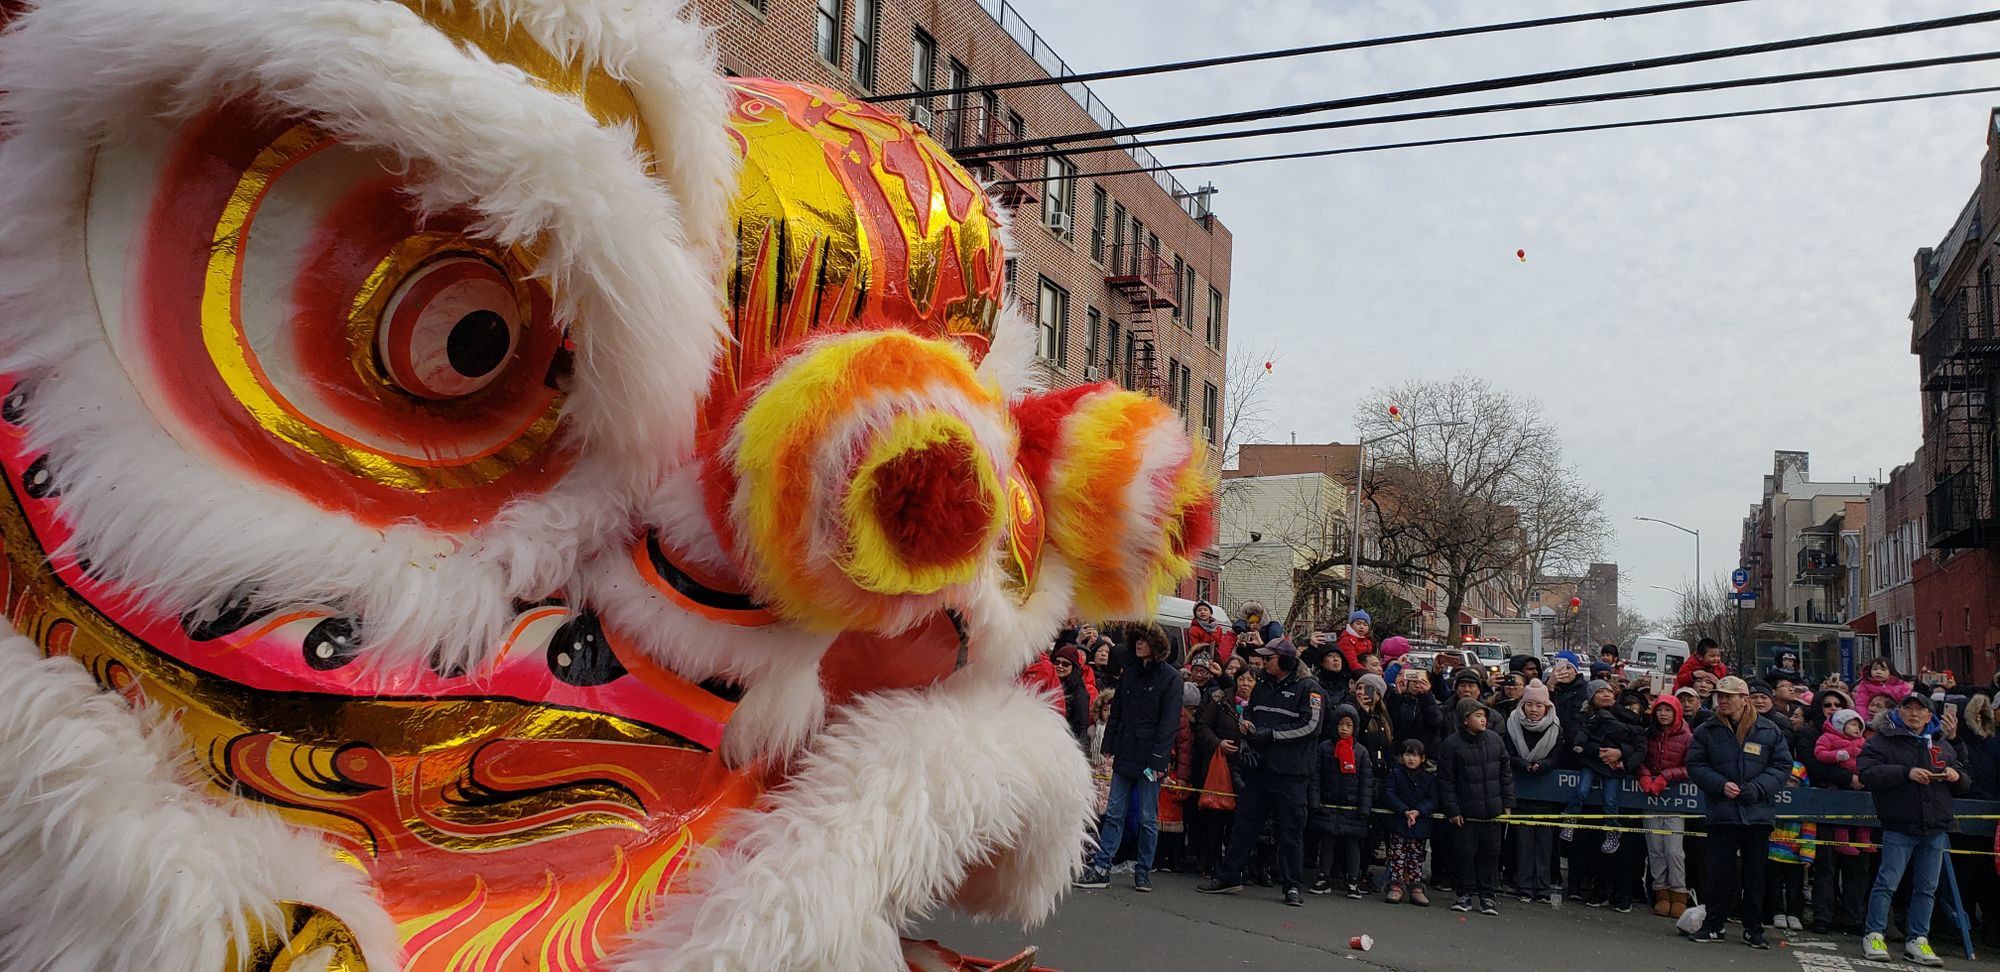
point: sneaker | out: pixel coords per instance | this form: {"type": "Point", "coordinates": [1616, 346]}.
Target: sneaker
{"type": "Point", "coordinates": [1610, 844]}
{"type": "Point", "coordinates": [1463, 903]}
{"type": "Point", "coordinates": [1596, 902]}
{"type": "Point", "coordinates": [1486, 907]}
{"type": "Point", "coordinates": [1525, 896]}
{"type": "Point", "coordinates": [1623, 909]}
{"type": "Point", "coordinates": [1141, 882]}
{"type": "Point", "coordinates": [1566, 834]}
{"type": "Point", "coordinates": [1796, 923]}
{"type": "Point", "coordinates": [1354, 891]}
{"type": "Point", "coordinates": [1703, 936]}
{"type": "Point", "coordinates": [1419, 898]}
{"type": "Point", "coordinates": [1216, 886]}
{"type": "Point", "coordinates": [1092, 878]}
{"type": "Point", "coordinates": [1872, 946]}
{"type": "Point", "coordinates": [1755, 939]}
{"type": "Point", "coordinates": [1322, 886]}
{"type": "Point", "coordinates": [1918, 950]}
{"type": "Point", "coordinates": [1294, 898]}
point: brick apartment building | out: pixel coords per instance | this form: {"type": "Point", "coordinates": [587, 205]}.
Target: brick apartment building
{"type": "Point", "coordinates": [1126, 275]}
{"type": "Point", "coordinates": [1955, 333]}
{"type": "Point", "coordinates": [1895, 534]}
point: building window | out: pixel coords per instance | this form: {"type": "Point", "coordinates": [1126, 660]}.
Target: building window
{"type": "Point", "coordinates": [1183, 397]}
{"type": "Point", "coordinates": [1202, 589]}
{"type": "Point", "coordinates": [1173, 379]}
{"type": "Point", "coordinates": [1209, 408]}
{"type": "Point", "coordinates": [1118, 255]}
{"type": "Point", "coordinates": [1099, 212]}
{"type": "Point", "coordinates": [1180, 278]}
{"type": "Point", "coordinates": [864, 42]}
{"type": "Point", "coordinates": [1057, 189]}
{"type": "Point", "coordinates": [827, 35]}
{"type": "Point", "coordinates": [923, 67]}
{"type": "Point", "coordinates": [1214, 335]}
{"type": "Point", "coordinates": [1052, 323]}
{"type": "Point", "coordinates": [1112, 336]}
{"type": "Point", "coordinates": [1093, 347]}
{"type": "Point", "coordinates": [956, 77]}
{"type": "Point", "coordinates": [1007, 272]}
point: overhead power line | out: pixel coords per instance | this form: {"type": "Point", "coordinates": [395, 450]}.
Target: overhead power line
{"type": "Point", "coordinates": [1494, 84]}
{"type": "Point", "coordinates": [1350, 45]}
{"type": "Point", "coordinates": [1531, 133]}
{"type": "Point", "coordinates": [1505, 106]}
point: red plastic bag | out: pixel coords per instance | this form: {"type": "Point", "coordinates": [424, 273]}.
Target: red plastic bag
{"type": "Point", "coordinates": [1218, 792]}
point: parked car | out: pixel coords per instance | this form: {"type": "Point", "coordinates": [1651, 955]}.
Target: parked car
{"type": "Point", "coordinates": [1492, 654]}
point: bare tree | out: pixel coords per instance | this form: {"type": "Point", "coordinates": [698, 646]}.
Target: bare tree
{"type": "Point", "coordinates": [1630, 626]}
{"type": "Point", "coordinates": [1469, 488]}
{"type": "Point", "coordinates": [1246, 410]}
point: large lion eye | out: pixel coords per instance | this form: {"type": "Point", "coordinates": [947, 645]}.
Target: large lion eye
{"type": "Point", "coordinates": [449, 328]}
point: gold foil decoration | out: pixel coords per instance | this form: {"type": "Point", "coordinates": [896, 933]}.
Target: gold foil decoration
{"type": "Point", "coordinates": [303, 931]}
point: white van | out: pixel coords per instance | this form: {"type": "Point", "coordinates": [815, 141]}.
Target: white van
{"type": "Point", "coordinates": [1176, 615]}
{"type": "Point", "coordinates": [1660, 654]}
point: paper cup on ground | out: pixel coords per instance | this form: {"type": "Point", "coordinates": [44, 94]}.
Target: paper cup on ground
{"type": "Point", "coordinates": [1361, 943]}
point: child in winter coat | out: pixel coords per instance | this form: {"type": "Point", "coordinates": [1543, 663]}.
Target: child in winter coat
{"type": "Point", "coordinates": [1412, 796]}
{"type": "Point", "coordinates": [1608, 746]}
{"type": "Point", "coordinates": [1667, 740]}
{"type": "Point", "coordinates": [1881, 679]}
{"type": "Point", "coordinates": [1840, 871]}
{"type": "Point", "coordinates": [1340, 799]}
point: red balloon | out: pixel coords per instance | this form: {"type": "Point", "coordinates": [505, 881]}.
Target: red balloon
{"type": "Point", "coordinates": [1394, 411]}
{"type": "Point", "coordinates": [1521, 255]}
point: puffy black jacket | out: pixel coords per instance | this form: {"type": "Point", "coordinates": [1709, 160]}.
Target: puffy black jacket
{"type": "Point", "coordinates": [1613, 728]}
{"type": "Point", "coordinates": [1411, 790]}
{"type": "Point", "coordinates": [1474, 778]}
{"type": "Point", "coordinates": [1569, 700]}
{"type": "Point", "coordinates": [1416, 717]}
{"type": "Point", "coordinates": [1902, 804]}
{"type": "Point", "coordinates": [1145, 716]}
{"type": "Point", "coordinates": [1760, 765]}
{"type": "Point", "coordinates": [1330, 786]}
{"type": "Point", "coordinates": [1285, 715]}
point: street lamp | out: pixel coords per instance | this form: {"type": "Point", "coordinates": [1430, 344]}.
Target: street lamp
{"type": "Point", "coordinates": [1696, 534]}
{"type": "Point", "coordinates": [1354, 533]}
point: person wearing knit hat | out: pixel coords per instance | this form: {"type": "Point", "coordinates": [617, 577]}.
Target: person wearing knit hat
{"type": "Point", "coordinates": [1596, 685]}
{"type": "Point", "coordinates": [1355, 640]}
{"type": "Point", "coordinates": [1533, 733]}
{"type": "Point", "coordinates": [1607, 746]}
{"type": "Point", "coordinates": [1475, 788]}
{"type": "Point", "coordinates": [1741, 762]}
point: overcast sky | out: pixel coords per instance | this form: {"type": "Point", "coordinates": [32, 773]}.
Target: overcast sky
{"type": "Point", "coordinates": [1695, 296]}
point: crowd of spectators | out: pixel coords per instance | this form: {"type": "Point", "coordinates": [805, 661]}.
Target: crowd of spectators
{"type": "Point", "coordinates": [1322, 764]}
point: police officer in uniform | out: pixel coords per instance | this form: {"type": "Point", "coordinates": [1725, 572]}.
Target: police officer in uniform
{"type": "Point", "coordinates": [1281, 728]}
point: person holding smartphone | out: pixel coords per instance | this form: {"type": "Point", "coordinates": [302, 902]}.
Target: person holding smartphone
{"type": "Point", "coordinates": [1913, 773]}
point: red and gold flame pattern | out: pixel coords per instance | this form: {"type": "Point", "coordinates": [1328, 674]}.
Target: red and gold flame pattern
{"type": "Point", "coordinates": [511, 819]}
{"type": "Point", "coordinates": [842, 210]}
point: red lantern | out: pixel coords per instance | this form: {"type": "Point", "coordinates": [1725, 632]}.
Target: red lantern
{"type": "Point", "coordinates": [1267, 367]}
{"type": "Point", "coordinates": [1521, 255]}
{"type": "Point", "coordinates": [1395, 412]}
{"type": "Point", "coordinates": [1575, 604]}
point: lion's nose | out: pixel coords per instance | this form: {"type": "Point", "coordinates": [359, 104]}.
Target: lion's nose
{"type": "Point", "coordinates": [864, 480]}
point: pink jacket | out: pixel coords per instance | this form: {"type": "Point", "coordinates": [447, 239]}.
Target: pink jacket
{"type": "Point", "coordinates": [1835, 748]}
{"type": "Point", "coordinates": [1894, 688]}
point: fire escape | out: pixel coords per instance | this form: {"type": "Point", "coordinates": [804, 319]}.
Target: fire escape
{"type": "Point", "coordinates": [1146, 280]}
{"type": "Point", "coordinates": [1960, 360]}
{"type": "Point", "coordinates": [969, 129]}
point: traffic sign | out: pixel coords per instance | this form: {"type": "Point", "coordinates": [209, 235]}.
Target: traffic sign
{"type": "Point", "coordinates": [1740, 579]}
{"type": "Point", "coordinates": [1747, 599]}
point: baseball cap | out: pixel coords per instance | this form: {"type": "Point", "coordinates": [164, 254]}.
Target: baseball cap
{"type": "Point", "coordinates": [1282, 647]}
{"type": "Point", "coordinates": [1733, 686]}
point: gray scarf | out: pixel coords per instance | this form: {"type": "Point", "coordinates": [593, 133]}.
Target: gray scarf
{"type": "Point", "coordinates": [1517, 720]}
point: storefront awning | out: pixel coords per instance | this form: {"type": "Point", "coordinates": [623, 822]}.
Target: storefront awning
{"type": "Point", "coordinates": [1865, 624]}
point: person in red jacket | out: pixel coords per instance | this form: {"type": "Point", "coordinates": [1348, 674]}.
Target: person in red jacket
{"type": "Point", "coordinates": [1041, 676]}
{"type": "Point", "coordinates": [1355, 641]}
{"type": "Point", "coordinates": [1204, 631]}
{"type": "Point", "coordinates": [1667, 740]}
{"type": "Point", "coordinates": [1708, 658]}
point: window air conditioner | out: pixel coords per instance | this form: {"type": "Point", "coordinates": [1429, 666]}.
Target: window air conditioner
{"type": "Point", "coordinates": [1059, 223]}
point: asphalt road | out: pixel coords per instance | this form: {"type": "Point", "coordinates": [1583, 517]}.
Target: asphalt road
{"type": "Point", "coordinates": [1173, 929]}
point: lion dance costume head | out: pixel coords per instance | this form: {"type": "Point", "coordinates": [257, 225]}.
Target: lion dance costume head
{"type": "Point", "coordinates": [482, 492]}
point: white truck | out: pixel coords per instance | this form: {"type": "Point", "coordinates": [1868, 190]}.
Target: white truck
{"type": "Point", "coordinates": [1522, 635]}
